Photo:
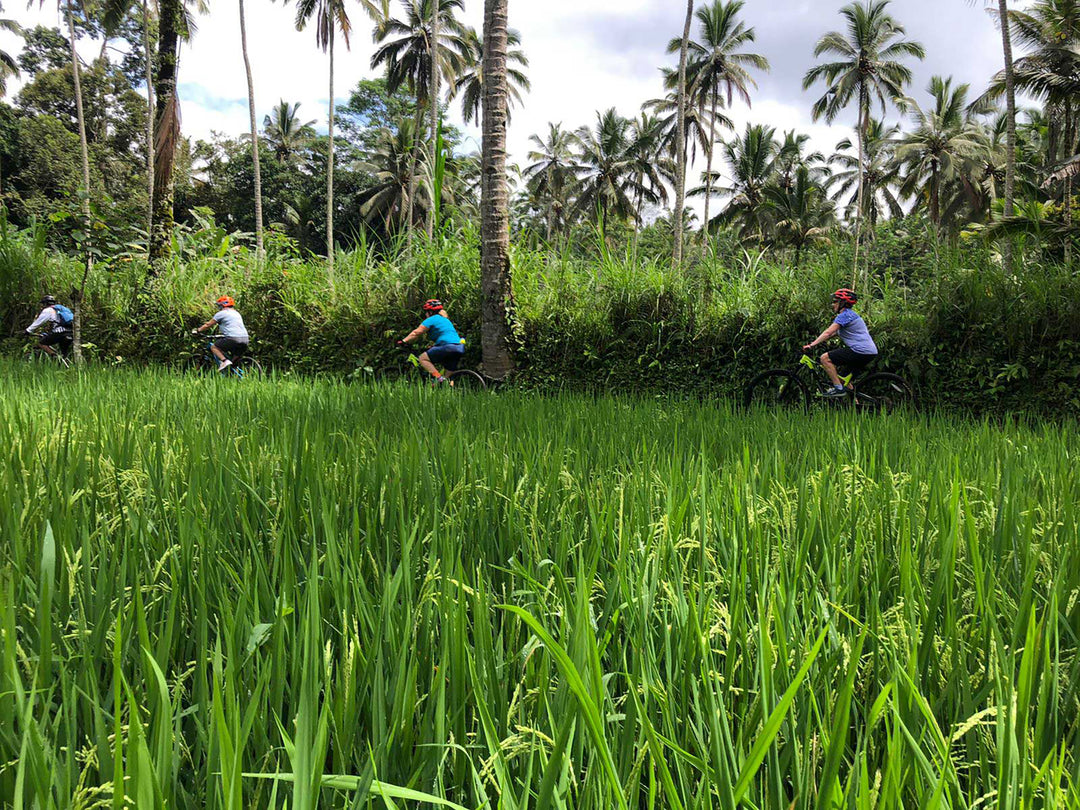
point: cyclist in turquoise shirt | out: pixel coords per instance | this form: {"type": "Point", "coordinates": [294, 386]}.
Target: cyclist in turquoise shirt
{"type": "Point", "coordinates": [447, 347]}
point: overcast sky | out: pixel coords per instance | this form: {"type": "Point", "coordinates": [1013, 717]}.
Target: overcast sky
{"type": "Point", "coordinates": [585, 55]}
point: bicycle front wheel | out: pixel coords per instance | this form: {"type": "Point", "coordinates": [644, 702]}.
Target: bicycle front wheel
{"type": "Point", "coordinates": [247, 368]}
{"type": "Point", "coordinates": [884, 392]}
{"type": "Point", "coordinates": [466, 380]}
{"type": "Point", "coordinates": [777, 389]}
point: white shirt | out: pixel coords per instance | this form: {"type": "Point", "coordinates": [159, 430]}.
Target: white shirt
{"type": "Point", "coordinates": [230, 324]}
{"type": "Point", "coordinates": [47, 316]}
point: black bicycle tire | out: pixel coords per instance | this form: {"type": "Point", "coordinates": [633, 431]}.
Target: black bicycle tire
{"type": "Point", "coordinates": [477, 382]}
{"type": "Point", "coordinates": [799, 385]}
{"type": "Point", "coordinates": [879, 376]}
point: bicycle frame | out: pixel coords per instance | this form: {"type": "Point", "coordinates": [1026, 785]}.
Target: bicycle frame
{"type": "Point", "coordinates": [818, 373]}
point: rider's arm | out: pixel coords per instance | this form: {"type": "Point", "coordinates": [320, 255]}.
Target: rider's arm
{"type": "Point", "coordinates": [208, 325]}
{"type": "Point", "coordinates": [415, 334]}
{"type": "Point", "coordinates": [828, 334]}
{"type": "Point", "coordinates": [42, 319]}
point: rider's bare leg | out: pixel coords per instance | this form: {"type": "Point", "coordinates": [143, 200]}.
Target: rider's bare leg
{"type": "Point", "coordinates": [49, 350]}
{"type": "Point", "coordinates": [428, 366]}
{"type": "Point", "coordinates": [220, 355]}
{"type": "Point", "coordinates": [830, 369]}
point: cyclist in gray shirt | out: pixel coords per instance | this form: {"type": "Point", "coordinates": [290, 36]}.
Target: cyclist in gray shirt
{"type": "Point", "coordinates": [234, 339]}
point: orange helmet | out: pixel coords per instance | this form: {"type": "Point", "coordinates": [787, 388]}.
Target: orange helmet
{"type": "Point", "coordinates": [434, 305]}
{"type": "Point", "coordinates": [226, 301]}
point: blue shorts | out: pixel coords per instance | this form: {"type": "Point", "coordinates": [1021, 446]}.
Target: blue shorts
{"type": "Point", "coordinates": [448, 355]}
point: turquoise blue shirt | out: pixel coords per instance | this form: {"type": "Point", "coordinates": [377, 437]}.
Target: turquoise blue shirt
{"type": "Point", "coordinates": [441, 331]}
{"type": "Point", "coordinates": [854, 333]}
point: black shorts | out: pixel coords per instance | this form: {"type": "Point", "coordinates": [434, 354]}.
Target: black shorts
{"type": "Point", "coordinates": [231, 347]}
{"type": "Point", "coordinates": [60, 339]}
{"type": "Point", "coordinates": [447, 355]}
{"type": "Point", "coordinates": [851, 361]}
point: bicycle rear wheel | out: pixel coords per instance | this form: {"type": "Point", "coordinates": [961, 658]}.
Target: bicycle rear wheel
{"type": "Point", "coordinates": [466, 380]}
{"type": "Point", "coordinates": [777, 389]}
{"type": "Point", "coordinates": [884, 392]}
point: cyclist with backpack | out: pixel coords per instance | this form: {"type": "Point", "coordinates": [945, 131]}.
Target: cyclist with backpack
{"type": "Point", "coordinates": [233, 338]}
{"type": "Point", "coordinates": [53, 328]}
{"type": "Point", "coordinates": [859, 349]}
{"type": "Point", "coordinates": [448, 348]}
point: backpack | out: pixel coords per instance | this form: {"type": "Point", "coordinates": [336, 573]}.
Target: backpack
{"type": "Point", "coordinates": [66, 316]}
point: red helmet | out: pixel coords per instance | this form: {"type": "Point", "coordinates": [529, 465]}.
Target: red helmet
{"type": "Point", "coordinates": [434, 305]}
{"type": "Point", "coordinates": [845, 296]}
{"type": "Point", "coordinates": [226, 301]}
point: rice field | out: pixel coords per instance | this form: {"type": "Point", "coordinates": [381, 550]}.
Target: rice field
{"type": "Point", "coordinates": [320, 595]}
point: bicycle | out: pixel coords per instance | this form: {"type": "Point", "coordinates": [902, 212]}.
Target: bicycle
{"type": "Point", "coordinates": [33, 354]}
{"type": "Point", "coordinates": [781, 387]}
{"type": "Point", "coordinates": [242, 367]}
{"type": "Point", "coordinates": [462, 379]}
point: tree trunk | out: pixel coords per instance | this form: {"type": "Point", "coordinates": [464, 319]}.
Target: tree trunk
{"type": "Point", "coordinates": [433, 100]}
{"type": "Point", "coordinates": [935, 200]}
{"type": "Point", "coordinates": [255, 138]}
{"type": "Point", "coordinates": [149, 123]}
{"type": "Point", "coordinates": [166, 130]}
{"type": "Point", "coordinates": [330, 166]}
{"type": "Point", "coordinates": [414, 160]}
{"type": "Point", "coordinates": [861, 137]}
{"type": "Point", "coordinates": [680, 159]}
{"type": "Point", "coordinates": [1010, 132]}
{"type": "Point", "coordinates": [77, 298]}
{"type": "Point", "coordinates": [497, 289]}
{"type": "Point", "coordinates": [708, 177]}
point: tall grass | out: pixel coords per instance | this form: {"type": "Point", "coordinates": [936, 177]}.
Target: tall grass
{"type": "Point", "coordinates": [322, 595]}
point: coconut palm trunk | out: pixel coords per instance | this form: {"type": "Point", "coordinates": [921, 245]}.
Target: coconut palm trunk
{"type": "Point", "coordinates": [497, 290]}
{"type": "Point", "coordinates": [861, 198]}
{"type": "Point", "coordinates": [330, 165]}
{"type": "Point", "coordinates": [708, 176]}
{"type": "Point", "coordinates": [84, 150]}
{"type": "Point", "coordinates": [255, 136]}
{"type": "Point", "coordinates": [1010, 130]}
{"type": "Point", "coordinates": [149, 66]}
{"type": "Point", "coordinates": [680, 159]}
{"type": "Point", "coordinates": [166, 130]}
{"type": "Point", "coordinates": [414, 166]}
{"type": "Point", "coordinates": [433, 112]}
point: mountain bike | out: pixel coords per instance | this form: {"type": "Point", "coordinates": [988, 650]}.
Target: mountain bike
{"type": "Point", "coordinates": [461, 379]}
{"type": "Point", "coordinates": [33, 354]}
{"type": "Point", "coordinates": [243, 366]}
{"type": "Point", "coordinates": [807, 382]}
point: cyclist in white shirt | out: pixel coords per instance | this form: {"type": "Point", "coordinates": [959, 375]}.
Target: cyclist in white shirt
{"type": "Point", "coordinates": [233, 340]}
{"type": "Point", "coordinates": [52, 327]}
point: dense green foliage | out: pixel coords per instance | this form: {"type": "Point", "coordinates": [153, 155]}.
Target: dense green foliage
{"type": "Point", "coordinates": [949, 319]}
{"type": "Point", "coordinates": [521, 601]}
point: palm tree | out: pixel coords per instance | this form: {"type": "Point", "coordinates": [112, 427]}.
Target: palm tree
{"type": "Point", "coordinates": [606, 169]}
{"type": "Point", "coordinates": [284, 131]}
{"type": "Point", "coordinates": [1051, 73]}
{"type": "Point", "coordinates": [751, 164]}
{"type": "Point", "coordinates": [497, 290]}
{"type": "Point", "coordinates": [331, 16]}
{"type": "Point", "coordinates": [866, 67]}
{"type": "Point", "coordinates": [650, 169]}
{"type": "Point", "coordinates": [716, 69]}
{"type": "Point", "coordinates": [697, 122]}
{"type": "Point", "coordinates": [386, 201]}
{"type": "Point", "coordinates": [254, 136]}
{"type": "Point", "coordinates": [550, 176]}
{"type": "Point", "coordinates": [880, 174]}
{"type": "Point", "coordinates": [470, 82]}
{"type": "Point", "coordinates": [790, 158]}
{"type": "Point", "coordinates": [680, 160]}
{"type": "Point", "coordinates": [8, 68]}
{"type": "Point", "coordinates": [407, 53]}
{"type": "Point", "coordinates": [802, 213]}
{"type": "Point", "coordinates": [943, 138]}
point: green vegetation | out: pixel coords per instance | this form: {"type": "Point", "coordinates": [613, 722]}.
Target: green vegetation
{"type": "Point", "coordinates": [522, 601]}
